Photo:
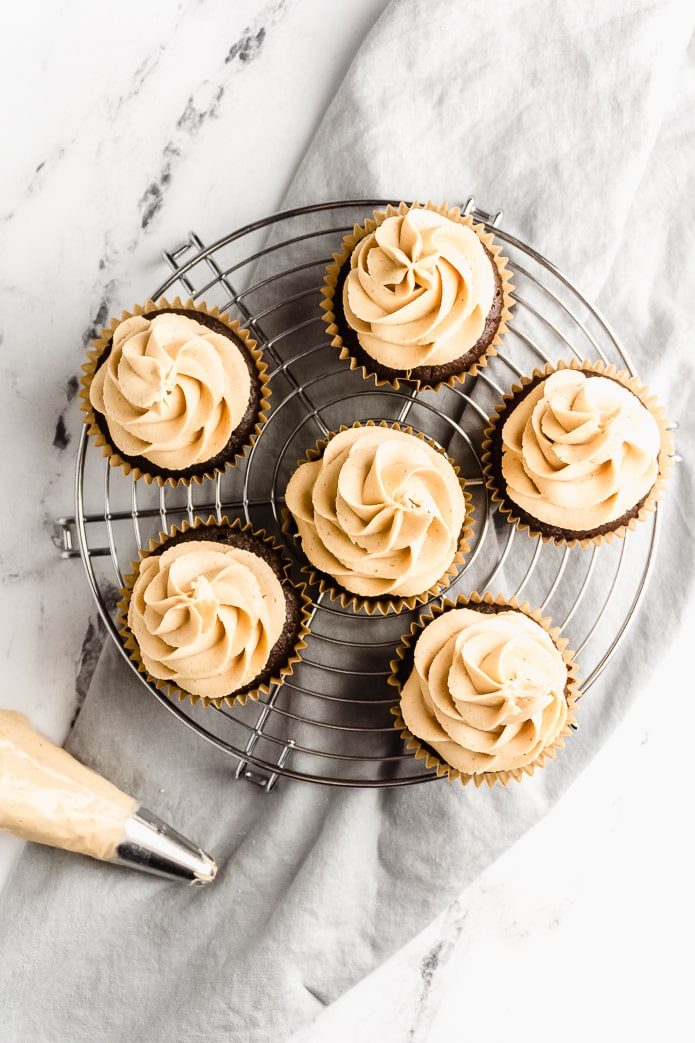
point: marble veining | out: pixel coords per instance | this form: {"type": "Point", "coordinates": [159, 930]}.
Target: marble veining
{"type": "Point", "coordinates": [89, 656]}
{"type": "Point", "coordinates": [156, 145]}
{"type": "Point", "coordinates": [204, 105]}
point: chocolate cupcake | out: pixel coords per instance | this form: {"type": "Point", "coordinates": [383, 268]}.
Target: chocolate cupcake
{"type": "Point", "coordinates": [419, 293]}
{"type": "Point", "coordinates": [487, 689]}
{"type": "Point", "coordinates": [209, 613]}
{"type": "Point", "coordinates": [174, 392]}
{"type": "Point", "coordinates": [577, 453]}
{"type": "Point", "coordinates": [382, 515]}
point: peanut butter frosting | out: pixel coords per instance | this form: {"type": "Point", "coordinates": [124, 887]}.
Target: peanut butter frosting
{"type": "Point", "coordinates": [381, 512]}
{"type": "Point", "coordinates": [579, 451]}
{"type": "Point", "coordinates": [419, 290]}
{"type": "Point", "coordinates": [487, 691]}
{"type": "Point", "coordinates": [206, 616]}
{"type": "Point", "coordinates": [172, 390]}
{"type": "Point", "coordinates": [49, 797]}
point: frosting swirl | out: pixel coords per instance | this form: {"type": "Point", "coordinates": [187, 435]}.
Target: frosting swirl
{"type": "Point", "coordinates": [579, 451]}
{"type": "Point", "coordinates": [206, 616]}
{"type": "Point", "coordinates": [487, 691]}
{"type": "Point", "coordinates": [419, 290]}
{"type": "Point", "coordinates": [172, 390]}
{"type": "Point", "coordinates": [381, 512]}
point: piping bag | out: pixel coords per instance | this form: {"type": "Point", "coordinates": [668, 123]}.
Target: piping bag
{"type": "Point", "coordinates": [49, 797]}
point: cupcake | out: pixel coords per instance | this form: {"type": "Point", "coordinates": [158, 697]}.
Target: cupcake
{"type": "Point", "coordinates": [487, 689]}
{"type": "Point", "coordinates": [418, 293]}
{"type": "Point", "coordinates": [577, 453]}
{"type": "Point", "coordinates": [210, 614]}
{"type": "Point", "coordinates": [382, 516]}
{"type": "Point", "coordinates": [174, 392]}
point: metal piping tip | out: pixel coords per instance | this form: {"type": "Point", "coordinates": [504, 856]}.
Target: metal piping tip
{"type": "Point", "coordinates": [153, 846]}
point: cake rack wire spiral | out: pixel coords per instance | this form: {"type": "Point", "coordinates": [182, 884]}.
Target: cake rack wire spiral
{"type": "Point", "coordinates": [330, 721]}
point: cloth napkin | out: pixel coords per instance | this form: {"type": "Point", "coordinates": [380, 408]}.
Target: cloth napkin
{"type": "Point", "coordinates": [579, 120]}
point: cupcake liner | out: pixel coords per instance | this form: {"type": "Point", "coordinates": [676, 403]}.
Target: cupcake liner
{"type": "Point", "coordinates": [383, 606]}
{"type": "Point", "coordinates": [348, 245]}
{"type": "Point", "coordinates": [172, 690]}
{"type": "Point", "coordinates": [665, 459]}
{"type": "Point", "coordinates": [423, 752]}
{"type": "Point", "coordinates": [110, 451]}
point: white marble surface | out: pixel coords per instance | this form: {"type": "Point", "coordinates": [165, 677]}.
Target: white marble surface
{"type": "Point", "coordinates": [125, 130]}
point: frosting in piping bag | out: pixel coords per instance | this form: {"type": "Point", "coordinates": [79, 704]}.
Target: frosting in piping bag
{"type": "Point", "coordinates": [206, 616]}
{"type": "Point", "coordinates": [578, 451]}
{"type": "Point", "coordinates": [419, 290]}
{"type": "Point", "coordinates": [49, 797]}
{"type": "Point", "coordinates": [381, 511]}
{"type": "Point", "coordinates": [487, 691]}
{"type": "Point", "coordinates": [172, 390]}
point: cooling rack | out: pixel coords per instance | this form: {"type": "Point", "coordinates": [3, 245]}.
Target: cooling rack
{"type": "Point", "coordinates": [330, 721]}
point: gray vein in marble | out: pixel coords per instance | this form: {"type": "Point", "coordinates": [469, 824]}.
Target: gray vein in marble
{"type": "Point", "coordinates": [152, 198]}
{"type": "Point", "coordinates": [61, 436]}
{"type": "Point", "coordinates": [431, 970]}
{"type": "Point", "coordinates": [111, 595]}
{"type": "Point", "coordinates": [146, 67]}
{"type": "Point", "coordinates": [428, 966]}
{"type": "Point", "coordinates": [101, 315]}
{"type": "Point", "coordinates": [38, 177]}
{"type": "Point", "coordinates": [247, 47]}
{"type": "Point", "coordinates": [12, 380]}
{"type": "Point", "coordinates": [144, 70]}
{"type": "Point", "coordinates": [203, 105]}
{"type": "Point", "coordinates": [89, 656]}
{"type": "Point", "coordinates": [9, 576]}
{"type": "Point", "coordinates": [90, 651]}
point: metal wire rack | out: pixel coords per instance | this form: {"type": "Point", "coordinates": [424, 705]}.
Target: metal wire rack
{"type": "Point", "coordinates": [330, 723]}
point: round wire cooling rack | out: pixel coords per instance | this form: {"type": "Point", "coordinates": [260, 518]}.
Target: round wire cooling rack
{"type": "Point", "coordinates": [330, 721]}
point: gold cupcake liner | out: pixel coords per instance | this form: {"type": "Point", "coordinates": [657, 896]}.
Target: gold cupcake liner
{"type": "Point", "coordinates": [422, 752]}
{"type": "Point", "coordinates": [348, 245]}
{"type": "Point", "coordinates": [173, 691]}
{"type": "Point", "coordinates": [383, 606]}
{"type": "Point", "coordinates": [665, 459]}
{"type": "Point", "coordinates": [110, 451]}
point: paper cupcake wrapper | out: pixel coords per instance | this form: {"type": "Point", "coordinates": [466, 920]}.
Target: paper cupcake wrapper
{"type": "Point", "coordinates": [172, 690]}
{"type": "Point", "coordinates": [110, 451]}
{"type": "Point", "coordinates": [348, 245]}
{"type": "Point", "coordinates": [424, 753]}
{"type": "Point", "coordinates": [665, 460]}
{"type": "Point", "coordinates": [386, 604]}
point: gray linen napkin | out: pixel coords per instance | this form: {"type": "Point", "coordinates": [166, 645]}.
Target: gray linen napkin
{"type": "Point", "coordinates": [577, 121]}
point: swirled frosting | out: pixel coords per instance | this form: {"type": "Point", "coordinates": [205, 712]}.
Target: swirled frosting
{"type": "Point", "coordinates": [578, 451]}
{"type": "Point", "coordinates": [206, 616]}
{"type": "Point", "coordinates": [172, 390]}
{"type": "Point", "coordinates": [487, 691]}
{"type": "Point", "coordinates": [419, 290]}
{"type": "Point", "coordinates": [381, 511]}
